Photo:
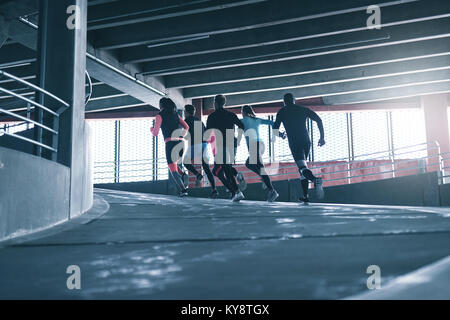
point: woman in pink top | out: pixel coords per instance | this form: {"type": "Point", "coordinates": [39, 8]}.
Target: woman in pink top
{"type": "Point", "coordinates": [173, 128]}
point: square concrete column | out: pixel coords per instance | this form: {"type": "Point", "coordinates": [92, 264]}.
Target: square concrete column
{"type": "Point", "coordinates": [436, 123]}
{"type": "Point", "coordinates": [62, 66]}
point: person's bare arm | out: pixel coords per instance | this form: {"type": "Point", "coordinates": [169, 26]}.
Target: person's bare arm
{"type": "Point", "coordinates": [315, 117]}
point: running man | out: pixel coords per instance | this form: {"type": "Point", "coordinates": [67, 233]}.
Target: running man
{"type": "Point", "coordinates": [254, 145]}
{"type": "Point", "coordinates": [170, 123]}
{"type": "Point", "coordinates": [197, 149]}
{"type": "Point", "coordinates": [222, 121]}
{"type": "Point", "coordinates": [294, 119]}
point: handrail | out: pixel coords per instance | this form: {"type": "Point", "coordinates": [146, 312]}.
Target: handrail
{"type": "Point", "coordinates": [8, 75]}
{"type": "Point", "coordinates": [369, 154]}
{"type": "Point", "coordinates": [12, 114]}
{"type": "Point", "coordinates": [30, 141]}
{"type": "Point", "coordinates": [40, 125]}
{"type": "Point", "coordinates": [21, 97]}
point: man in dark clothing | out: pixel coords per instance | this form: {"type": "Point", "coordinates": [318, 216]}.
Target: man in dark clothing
{"type": "Point", "coordinates": [222, 122]}
{"type": "Point", "coordinates": [294, 119]}
{"type": "Point", "coordinates": [196, 152]}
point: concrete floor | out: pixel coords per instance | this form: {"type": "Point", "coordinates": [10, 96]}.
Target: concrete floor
{"type": "Point", "coordinates": [162, 247]}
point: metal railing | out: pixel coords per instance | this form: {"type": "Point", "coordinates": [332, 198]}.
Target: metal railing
{"type": "Point", "coordinates": [130, 170]}
{"type": "Point", "coordinates": [401, 161]}
{"type": "Point", "coordinates": [37, 108]}
{"type": "Point", "coordinates": [445, 167]}
{"type": "Point", "coordinates": [413, 159]}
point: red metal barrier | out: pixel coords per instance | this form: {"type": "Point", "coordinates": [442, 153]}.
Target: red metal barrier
{"type": "Point", "coordinates": [334, 172]}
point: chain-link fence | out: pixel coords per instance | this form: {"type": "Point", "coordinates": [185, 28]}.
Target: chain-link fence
{"type": "Point", "coordinates": [125, 150]}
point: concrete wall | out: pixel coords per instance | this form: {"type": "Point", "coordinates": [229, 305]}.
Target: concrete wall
{"type": "Point", "coordinates": [34, 193]}
{"type": "Point", "coordinates": [444, 192]}
{"type": "Point", "coordinates": [414, 190]}
{"type": "Point", "coordinates": [17, 144]}
{"type": "Point", "coordinates": [155, 187]}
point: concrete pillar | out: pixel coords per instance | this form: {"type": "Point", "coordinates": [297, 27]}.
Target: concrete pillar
{"type": "Point", "coordinates": [62, 65]}
{"type": "Point", "coordinates": [436, 123]}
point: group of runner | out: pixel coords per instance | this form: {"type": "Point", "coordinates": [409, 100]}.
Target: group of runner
{"type": "Point", "coordinates": [220, 133]}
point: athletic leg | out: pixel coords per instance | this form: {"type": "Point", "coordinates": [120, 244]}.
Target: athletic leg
{"type": "Point", "coordinates": [192, 169]}
{"type": "Point", "coordinates": [219, 172]}
{"type": "Point", "coordinates": [209, 174]}
{"type": "Point", "coordinates": [173, 167]}
{"type": "Point", "coordinates": [306, 175]}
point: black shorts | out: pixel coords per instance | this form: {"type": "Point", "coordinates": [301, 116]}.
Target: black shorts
{"type": "Point", "coordinates": [300, 151]}
{"type": "Point", "coordinates": [170, 145]}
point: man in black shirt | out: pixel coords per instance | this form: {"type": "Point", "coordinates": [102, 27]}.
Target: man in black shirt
{"type": "Point", "coordinates": [196, 149]}
{"type": "Point", "coordinates": [294, 119]}
{"type": "Point", "coordinates": [222, 122]}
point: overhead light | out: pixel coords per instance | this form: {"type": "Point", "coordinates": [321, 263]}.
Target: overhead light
{"type": "Point", "coordinates": [153, 45]}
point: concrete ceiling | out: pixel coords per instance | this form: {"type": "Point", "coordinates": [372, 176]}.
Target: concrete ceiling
{"type": "Point", "coordinates": [252, 50]}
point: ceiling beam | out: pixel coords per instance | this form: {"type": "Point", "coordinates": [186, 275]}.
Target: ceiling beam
{"type": "Point", "coordinates": [360, 86]}
{"type": "Point", "coordinates": [284, 33]}
{"type": "Point", "coordinates": [116, 14]}
{"type": "Point", "coordinates": [387, 94]}
{"type": "Point", "coordinates": [104, 91]}
{"type": "Point", "coordinates": [231, 20]}
{"type": "Point", "coordinates": [337, 61]}
{"type": "Point", "coordinates": [301, 49]}
{"type": "Point", "coordinates": [321, 78]}
{"type": "Point", "coordinates": [113, 104]}
{"type": "Point", "coordinates": [104, 67]}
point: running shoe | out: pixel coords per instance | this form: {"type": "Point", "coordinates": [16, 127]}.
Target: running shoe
{"type": "Point", "coordinates": [319, 189]}
{"type": "Point", "coordinates": [214, 194]}
{"type": "Point", "coordinates": [183, 194]}
{"type": "Point", "coordinates": [272, 196]}
{"type": "Point", "coordinates": [198, 180]}
{"type": "Point", "coordinates": [242, 183]}
{"type": "Point", "coordinates": [238, 197]}
{"type": "Point", "coordinates": [304, 200]}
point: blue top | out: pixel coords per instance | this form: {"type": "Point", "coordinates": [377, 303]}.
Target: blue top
{"type": "Point", "coordinates": [252, 127]}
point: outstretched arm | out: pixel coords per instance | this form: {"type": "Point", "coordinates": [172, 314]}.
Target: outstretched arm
{"type": "Point", "coordinates": [315, 117]}
{"type": "Point", "coordinates": [276, 127]}
{"type": "Point", "coordinates": [266, 121]}
{"type": "Point", "coordinates": [277, 123]}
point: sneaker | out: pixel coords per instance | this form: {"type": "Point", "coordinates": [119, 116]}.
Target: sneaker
{"type": "Point", "coordinates": [272, 196]}
{"type": "Point", "coordinates": [238, 197]}
{"type": "Point", "coordinates": [304, 200]}
{"type": "Point", "coordinates": [263, 185]}
{"type": "Point", "coordinates": [242, 183]}
{"type": "Point", "coordinates": [183, 194]}
{"type": "Point", "coordinates": [319, 189]}
{"type": "Point", "coordinates": [214, 194]}
{"type": "Point", "coordinates": [198, 180]}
